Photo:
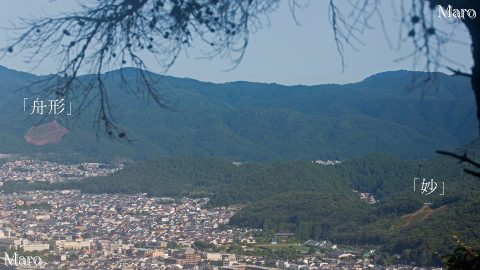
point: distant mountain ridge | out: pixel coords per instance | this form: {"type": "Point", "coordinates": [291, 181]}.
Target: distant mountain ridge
{"type": "Point", "coordinates": [256, 121]}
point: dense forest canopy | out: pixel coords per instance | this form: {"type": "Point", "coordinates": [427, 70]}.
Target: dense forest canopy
{"type": "Point", "coordinates": [315, 201]}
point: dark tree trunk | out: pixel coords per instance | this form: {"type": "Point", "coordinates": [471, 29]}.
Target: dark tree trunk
{"type": "Point", "coordinates": [473, 27]}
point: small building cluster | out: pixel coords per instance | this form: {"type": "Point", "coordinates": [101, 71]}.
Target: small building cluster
{"type": "Point", "coordinates": [46, 171]}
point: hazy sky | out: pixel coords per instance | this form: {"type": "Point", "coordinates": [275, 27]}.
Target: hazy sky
{"type": "Point", "coordinates": [281, 52]}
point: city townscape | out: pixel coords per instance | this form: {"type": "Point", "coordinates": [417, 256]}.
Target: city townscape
{"type": "Point", "coordinates": [45, 171]}
{"type": "Point", "coordinates": [70, 230]}
{"type": "Point", "coordinates": [240, 135]}
{"type": "Point", "coordinates": [66, 229]}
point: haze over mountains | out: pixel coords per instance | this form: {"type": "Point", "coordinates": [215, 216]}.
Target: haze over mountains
{"type": "Point", "coordinates": [256, 121]}
{"type": "Point", "coordinates": [242, 121]}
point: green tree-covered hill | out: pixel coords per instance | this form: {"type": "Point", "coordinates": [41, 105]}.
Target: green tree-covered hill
{"type": "Point", "coordinates": [315, 201]}
{"type": "Point", "coordinates": [254, 121]}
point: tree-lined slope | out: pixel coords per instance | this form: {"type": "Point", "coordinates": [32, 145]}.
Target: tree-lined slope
{"type": "Point", "coordinates": [253, 121]}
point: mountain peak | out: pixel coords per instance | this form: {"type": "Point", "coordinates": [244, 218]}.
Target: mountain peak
{"type": "Point", "coordinates": [402, 74]}
{"type": "Point", "coordinates": [8, 72]}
